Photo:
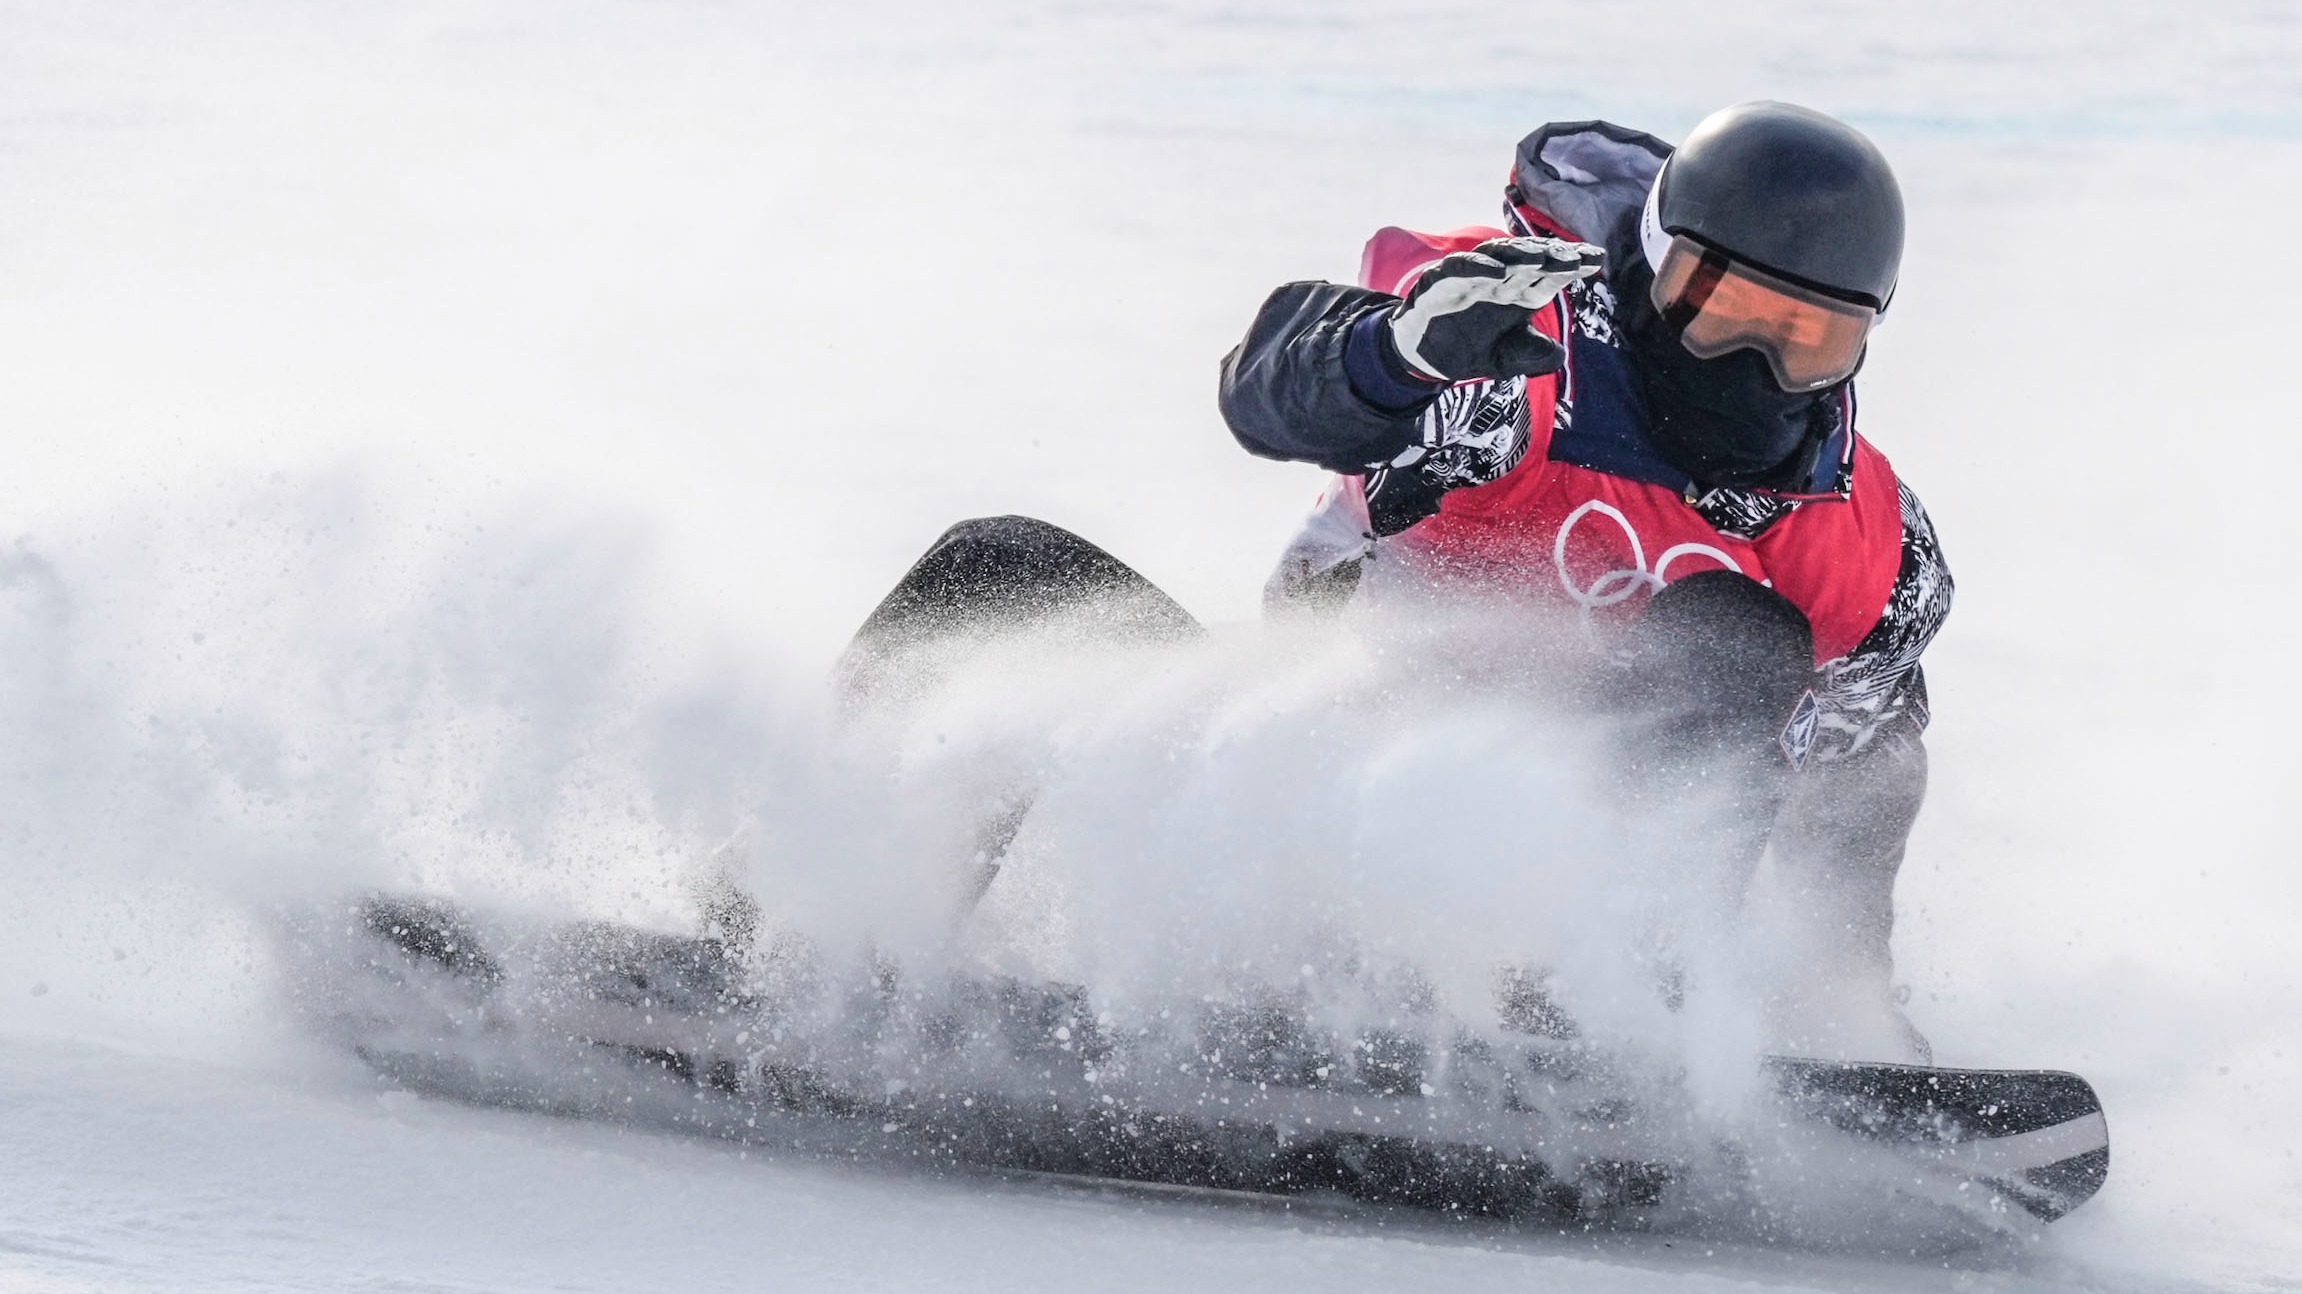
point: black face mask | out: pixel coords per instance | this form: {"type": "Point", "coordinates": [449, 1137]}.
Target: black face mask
{"type": "Point", "coordinates": [1721, 421]}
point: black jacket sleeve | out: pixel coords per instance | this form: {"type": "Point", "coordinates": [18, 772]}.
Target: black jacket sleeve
{"type": "Point", "coordinates": [1289, 392]}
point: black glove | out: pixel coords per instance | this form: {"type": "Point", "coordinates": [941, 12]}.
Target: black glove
{"type": "Point", "coordinates": [1469, 316]}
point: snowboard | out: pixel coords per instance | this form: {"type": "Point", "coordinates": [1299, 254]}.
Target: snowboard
{"type": "Point", "coordinates": [782, 1045]}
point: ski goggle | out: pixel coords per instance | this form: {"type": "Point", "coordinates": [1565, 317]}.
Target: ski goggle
{"type": "Point", "coordinates": [1718, 304]}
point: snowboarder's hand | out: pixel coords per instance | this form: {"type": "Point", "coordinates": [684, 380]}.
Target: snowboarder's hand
{"type": "Point", "coordinates": [1469, 316]}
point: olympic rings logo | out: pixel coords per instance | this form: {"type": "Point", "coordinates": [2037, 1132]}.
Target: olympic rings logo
{"type": "Point", "coordinates": [1616, 586]}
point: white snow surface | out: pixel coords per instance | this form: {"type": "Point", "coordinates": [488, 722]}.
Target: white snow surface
{"type": "Point", "coordinates": [450, 441]}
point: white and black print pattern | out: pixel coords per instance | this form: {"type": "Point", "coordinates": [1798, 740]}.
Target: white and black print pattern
{"type": "Point", "coordinates": [1593, 302]}
{"type": "Point", "coordinates": [1879, 686]}
{"type": "Point", "coordinates": [1745, 514]}
{"type": "Point", "coordinates": [1476, 433]}
{"type": "Point", "coordinates": [1471, 434]}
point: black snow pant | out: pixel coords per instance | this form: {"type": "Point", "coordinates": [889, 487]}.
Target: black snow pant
{"type": "Point", "coordinates": [1715, 670]}
{"type": "Point", "coordinates": [1719, 665]}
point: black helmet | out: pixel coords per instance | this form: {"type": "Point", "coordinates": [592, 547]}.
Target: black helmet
{"type": "Point", "coordinates": [1789, 190]}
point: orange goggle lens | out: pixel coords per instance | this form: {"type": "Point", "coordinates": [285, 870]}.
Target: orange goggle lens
{"type": "Point", "coordinates": [1717, 305]}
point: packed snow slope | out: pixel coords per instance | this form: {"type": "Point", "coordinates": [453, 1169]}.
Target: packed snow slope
{"type": "Point", "coordinates": [448, 441]}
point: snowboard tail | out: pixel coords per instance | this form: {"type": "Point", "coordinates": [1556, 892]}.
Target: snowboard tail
{"type": "Point", "coordinates": [2036, 1136]}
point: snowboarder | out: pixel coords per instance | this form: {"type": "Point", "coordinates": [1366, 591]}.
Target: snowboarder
{"type": "Point", "coordinates": [1637, 399]}
{"type": "Point", "coordinates": [1634, 400]}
